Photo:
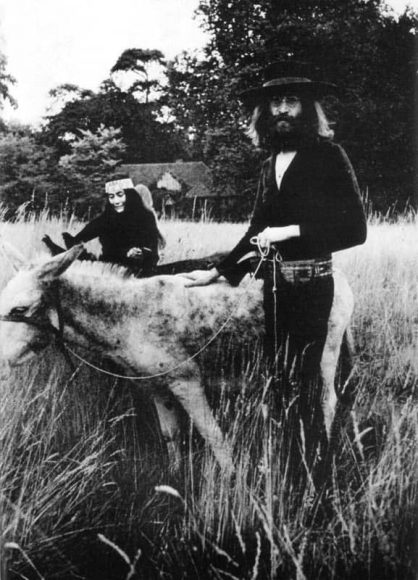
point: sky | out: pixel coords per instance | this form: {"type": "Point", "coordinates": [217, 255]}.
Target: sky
{"type": "Point", "coordinates": [51, 42]}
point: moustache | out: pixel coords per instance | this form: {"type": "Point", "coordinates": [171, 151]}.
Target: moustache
{"type": "Point", "coordinates": [277, 118]}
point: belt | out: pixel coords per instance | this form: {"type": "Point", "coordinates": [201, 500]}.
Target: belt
{"type": "Point", "coordinates": [302, 271]}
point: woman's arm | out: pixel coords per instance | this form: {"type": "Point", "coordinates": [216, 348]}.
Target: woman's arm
{"type": "Point", "coordinates": [153, 236]}
{"type": "Point", "coordinates": [92, 230]}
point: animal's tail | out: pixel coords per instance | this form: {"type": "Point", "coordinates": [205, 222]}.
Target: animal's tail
{"type": "Point", "coordinates": [346, 390]}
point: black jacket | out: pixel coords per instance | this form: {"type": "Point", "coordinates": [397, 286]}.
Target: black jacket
{"type": "Point", "coordinates": [119, 232]}
{"type": "Point", "coordinates": [319, 192]}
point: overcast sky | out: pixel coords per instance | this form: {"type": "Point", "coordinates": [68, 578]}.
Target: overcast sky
{"type": "Point", "coordinates": [50, 42]}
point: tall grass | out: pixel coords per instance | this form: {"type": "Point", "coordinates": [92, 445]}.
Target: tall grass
{"type": "Point", "coordinates": [86, 491]}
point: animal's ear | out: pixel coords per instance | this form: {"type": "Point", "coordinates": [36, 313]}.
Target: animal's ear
{"type": "Point", "coordinates": [13, 255]}
{"type": "Point", "coordinates": [54, 267]}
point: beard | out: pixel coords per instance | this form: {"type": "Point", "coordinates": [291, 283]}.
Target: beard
{"type": "Point", "coordinates": [285, 132]}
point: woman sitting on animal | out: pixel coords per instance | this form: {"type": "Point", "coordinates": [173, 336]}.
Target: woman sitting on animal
{"type": "Point", "coordinates": [127, 229]}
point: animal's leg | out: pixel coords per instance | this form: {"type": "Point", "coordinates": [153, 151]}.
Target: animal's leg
{"type": "Point", "coordinates": [170, 427]}
{"type": "Point", "coordinates": [338, 324]}
{"type": "Point", "coordinates": [329, 362]}
{"type": "Point", "coordinates": [189, 391]}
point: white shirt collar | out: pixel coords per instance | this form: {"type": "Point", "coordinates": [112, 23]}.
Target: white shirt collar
{"type": "Point", "coordinates": [283, 160]}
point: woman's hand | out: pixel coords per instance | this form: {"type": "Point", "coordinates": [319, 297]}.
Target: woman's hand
{"type": "Point", "coordinates": [280, 234]}
{"type": "Point", "coordinates": [134, 253]}
{"type": "Point", "coordinates": [201, 277]}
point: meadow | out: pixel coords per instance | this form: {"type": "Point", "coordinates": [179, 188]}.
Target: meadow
{"type": "Point", "coordinates": [86, 490]}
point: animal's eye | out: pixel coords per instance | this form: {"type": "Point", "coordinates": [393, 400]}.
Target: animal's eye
{"type": "Point", "coordinates": [19, 310]}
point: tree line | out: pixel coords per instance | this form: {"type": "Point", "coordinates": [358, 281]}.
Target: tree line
{"type": "Point", "coordinates": [154, 110]}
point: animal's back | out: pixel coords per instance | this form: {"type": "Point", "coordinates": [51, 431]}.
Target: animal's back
{"type": "Point", "coordinates": [189, 316]}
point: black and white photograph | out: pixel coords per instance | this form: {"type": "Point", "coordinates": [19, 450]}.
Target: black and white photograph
{"type": "Point", "coordinates": [208, 289]}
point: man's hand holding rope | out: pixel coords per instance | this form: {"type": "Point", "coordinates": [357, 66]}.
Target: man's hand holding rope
{"type": "Point", "coordinates": [279, 234]}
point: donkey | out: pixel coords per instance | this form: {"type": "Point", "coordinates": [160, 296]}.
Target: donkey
{"type": "Point", "coordinates": [152, 327]}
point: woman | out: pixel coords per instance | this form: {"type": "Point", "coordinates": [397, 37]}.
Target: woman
{"type": "Point", "coordinates": [127, 229]}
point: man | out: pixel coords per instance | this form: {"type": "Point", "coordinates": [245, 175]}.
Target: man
{"type": "Point", "coordinates": [307, 206]}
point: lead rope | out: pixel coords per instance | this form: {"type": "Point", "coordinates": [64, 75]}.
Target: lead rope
{"type": "Point", "coordinates": [263, 256]}
{"type": "Point", "coordinates": [276, 259]}
{"type": "Point", "coordinates": [276, 340]}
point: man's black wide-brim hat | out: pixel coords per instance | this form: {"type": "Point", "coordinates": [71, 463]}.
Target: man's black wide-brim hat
{"type": "Point", "coordinates": [286, 77]}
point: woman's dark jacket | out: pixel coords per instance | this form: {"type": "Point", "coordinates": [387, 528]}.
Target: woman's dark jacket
{"type": "Point", "coordinates": [318, 192]}
{"type": "Point", "coordinates": [119, 232]}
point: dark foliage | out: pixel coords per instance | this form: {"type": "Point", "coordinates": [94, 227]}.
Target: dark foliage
{"type": "Point", "coordinates": [146, 138]}
{"type": "Point", "coordinates": [367, 52]}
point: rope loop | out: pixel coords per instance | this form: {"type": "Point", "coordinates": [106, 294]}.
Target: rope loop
{"type": "Point", "coordinates": [265, 251]}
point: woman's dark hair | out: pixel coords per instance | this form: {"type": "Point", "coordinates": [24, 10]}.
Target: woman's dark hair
{"type": "Point", "coordinates": [136, 209]}
{"type": "Point", "coordinates": [314, 123]}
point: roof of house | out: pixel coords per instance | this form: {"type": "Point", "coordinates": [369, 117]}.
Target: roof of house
{"type": "Point", "coordinates": [200, 190]}
{"type": "Point", "coordinates": [191, 173]}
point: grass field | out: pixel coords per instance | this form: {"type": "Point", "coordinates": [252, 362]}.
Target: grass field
{"type": "Point", "coordinates": [85, 487]}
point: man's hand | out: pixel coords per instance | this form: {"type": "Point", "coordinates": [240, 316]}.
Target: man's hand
{"type": "Point", "coordinates": [279, 234]}
{"type": "Point", "coordinates": [134, 253]}
{"type": "Point", "coordinates": [200, 277]}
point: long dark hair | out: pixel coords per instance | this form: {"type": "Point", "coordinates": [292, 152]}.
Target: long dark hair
{"type": "Point", "coordinates": [136, 210]}
{"type": "Point", "coordinates": [313, 124]}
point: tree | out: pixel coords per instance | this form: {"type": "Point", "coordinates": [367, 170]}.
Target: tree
{"type": "Point", "coordinates": [33, 177]}
{"type": "Point", "coordinates": [203, 100]}
{"type": "Point", "coordinates": [146, 135]}
{"type": "Point", "coordinates": [93, 158]}
{"type": "Point", "coordinates": [66, 93]}
{"type": "Point", "coordinates": [5, 81]}
{"type": "Point", "coordinates": [145, 72]}
{"type": "Point", "coordinates": [146, 138]}
{"type": "Point", "coordinates": [354, 43]}
{"type": "Point", "coordinates": [25, 170]}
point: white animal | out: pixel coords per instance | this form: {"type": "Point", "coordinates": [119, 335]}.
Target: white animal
{"type": "Point", "coordinates": [151, 326]}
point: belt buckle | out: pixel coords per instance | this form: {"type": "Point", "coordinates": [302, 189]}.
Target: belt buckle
{"type": "Point", "coordinates": [305, 275]}
{"type": "Point", "coordinates": [288, 275]}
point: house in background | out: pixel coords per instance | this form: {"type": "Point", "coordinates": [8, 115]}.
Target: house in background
{"type": "Point", "coordinates": [181, 189]}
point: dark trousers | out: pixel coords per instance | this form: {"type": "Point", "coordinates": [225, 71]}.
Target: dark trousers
{"type": "Point", "coordinates": [296, 320]}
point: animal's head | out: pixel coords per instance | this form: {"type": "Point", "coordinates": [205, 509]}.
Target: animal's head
{"type": "Point", "coordinates": [28, 295]}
